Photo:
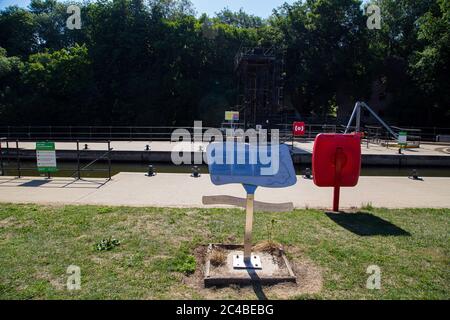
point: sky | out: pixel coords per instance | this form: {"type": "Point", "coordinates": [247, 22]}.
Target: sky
{"type": "Point", "coordinates": [261, 8]}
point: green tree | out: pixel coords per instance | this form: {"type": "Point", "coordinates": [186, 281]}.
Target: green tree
{"type": "Point", "coordinates": [58, 88]}
{"type": "Point", "coordinates": [17, 31]}
{"type": "Point", "coordinates": [429, 66]}
{"type": "Point", "coordinates": [326, 47]}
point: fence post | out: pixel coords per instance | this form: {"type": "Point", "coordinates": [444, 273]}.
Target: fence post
{"type": "Point", "coordinates": [1, 159]}
{"type": "Point", "coordinates": [292, 139]}
{"type": "Point", "coordinates": [18, 158]}
{"type": "Point", "coordinates": [78, 160]}
{"type": "Point", "coordinates": [109, 159]}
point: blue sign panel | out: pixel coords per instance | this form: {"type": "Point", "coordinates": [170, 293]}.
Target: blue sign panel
{"type": "Point", "coordinates": [251, 165]}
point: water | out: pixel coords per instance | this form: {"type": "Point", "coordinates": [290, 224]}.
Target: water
{"type": "Point", "coordinates": [67, 169]}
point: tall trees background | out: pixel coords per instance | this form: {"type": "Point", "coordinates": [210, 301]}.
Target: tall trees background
{"type": "Point", "coordinates": [156, 63]}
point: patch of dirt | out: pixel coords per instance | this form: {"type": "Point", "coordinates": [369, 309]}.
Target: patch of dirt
{"type": "Point", "coordinates": [12, 222]}
{"type": "Point", "coordinates": [195, 280]}
{"type": "Point", "coordinates": [149, 260]}
{"type": "Point", "coordinates": [269, 247]}
{"type": "Point", "coordinates": [6, 236]}
{"type": "Point", "coordinates": [309, 280]}
{"type": "Point", "coordinates": [143, 224]}
{"type": "Point", "coordinates": [105, 257]}
{"type": "Point", "coordinates": [158, 228]}
{"type": "Point", "coordinates": [57, 283]}
{"type": "Point", "coordinates": [8, 222]}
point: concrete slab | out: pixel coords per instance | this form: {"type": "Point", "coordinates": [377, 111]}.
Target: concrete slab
{"type": "Point", "coordinates": [275, 268]}
{"type": "Point", "coordinates": [182, 190]}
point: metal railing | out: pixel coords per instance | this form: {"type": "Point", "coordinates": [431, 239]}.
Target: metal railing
{"type": "Point", "coordinates": [11, 159]}
{"type": "Point", "coordinates": [134, 133]}
{"type": "Point", "coordinates": [71, 133]}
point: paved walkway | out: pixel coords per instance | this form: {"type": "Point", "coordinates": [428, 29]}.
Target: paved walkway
{"type": "Point", "coordinates": [181, 190]}
{"type": "Point", "coordinates": [304, 147]}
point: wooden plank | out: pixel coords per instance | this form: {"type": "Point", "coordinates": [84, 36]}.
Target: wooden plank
{"type": "Point", "coordinates": [248, 227]}
{"type": "Point", "coordinates": [216, 281]}
{"type": "Point", "coordinates": [242, 203]}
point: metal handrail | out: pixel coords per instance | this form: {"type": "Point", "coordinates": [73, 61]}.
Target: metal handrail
{"type": "Point", "coordinates": [19, 168]}
{"type": "Point", "coordinates": [160, 133]}
{"type": "Point", "coordinates": [92, 162]}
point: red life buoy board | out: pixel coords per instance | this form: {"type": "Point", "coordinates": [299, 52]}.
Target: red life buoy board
{"type": "Point", "coordinates": [334, 150]}
{"type": "Point", "coordinates": [336, 161]}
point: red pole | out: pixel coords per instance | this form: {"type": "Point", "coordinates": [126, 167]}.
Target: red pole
{"type": "Point", "coordinates": [336, 198]}
{"type": "Point", "coordinates": [339, 162]}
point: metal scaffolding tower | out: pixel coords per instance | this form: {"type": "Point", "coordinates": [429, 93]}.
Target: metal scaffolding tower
{"type": "Point", "coordinates": [260, 73]}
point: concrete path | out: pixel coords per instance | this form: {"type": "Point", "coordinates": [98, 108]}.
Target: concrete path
{"type": "Point", "coordinates": [181, 190]}
{"type": "Point", "coordinates": [304, 147]}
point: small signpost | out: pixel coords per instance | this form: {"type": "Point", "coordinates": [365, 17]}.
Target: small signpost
{"type": "Point", "coordinates": [232, 115]}
{"type": "Point", "coordinates": [46, 157]}
{"type": "Point", "coordinates": [336, 162]}
{"type": "Point", "coordinates": [298, 129]}
{"type": "Point", "coordinates": [402, 139]}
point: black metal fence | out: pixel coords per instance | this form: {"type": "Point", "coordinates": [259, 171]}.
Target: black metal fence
{"type": "Point", "coordinates": [71, 133]}
{"type": "Point", "coordinates": [12, 158]}
{"type": "Point", "coordinates": [132, 133]}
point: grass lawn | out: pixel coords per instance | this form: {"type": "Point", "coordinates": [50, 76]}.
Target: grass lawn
{"type": "Point", "coordinates": [155, 257]}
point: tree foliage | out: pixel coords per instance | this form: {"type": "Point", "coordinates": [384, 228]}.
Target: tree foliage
{"type": "Point", "coordinates": [157, 63]}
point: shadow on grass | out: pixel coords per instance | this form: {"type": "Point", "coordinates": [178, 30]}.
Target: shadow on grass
{"type": "Point", "coordinates": [366, 224]}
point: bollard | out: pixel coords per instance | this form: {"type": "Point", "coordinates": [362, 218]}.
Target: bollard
{"type": "Point", "coordinates": [415, 175]}
{"type": "Point", "coordinates": [195, 172]}
{"type": "Point", "coordinates": [307, 174]}
{"type": "Point", "coordinates": [151, 171]}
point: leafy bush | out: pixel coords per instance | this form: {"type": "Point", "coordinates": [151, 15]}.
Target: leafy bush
{"type": "Point", "coordinates": [184, 263]}
{"type": "Point", "coordinates": [106, 244]}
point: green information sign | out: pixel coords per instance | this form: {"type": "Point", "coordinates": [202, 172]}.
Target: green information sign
{"type": "Point", "coordinates": [46, 156]}
{"type": "Point", "coordinates": [402, 138]}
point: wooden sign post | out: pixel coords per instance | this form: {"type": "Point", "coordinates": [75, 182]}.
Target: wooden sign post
{"type": "Point", "coordinates": [248, 228]}
{"type": "Point", "coordinates": [251, 176]}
